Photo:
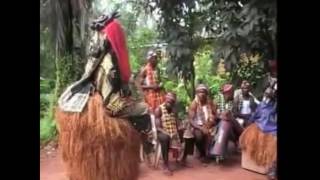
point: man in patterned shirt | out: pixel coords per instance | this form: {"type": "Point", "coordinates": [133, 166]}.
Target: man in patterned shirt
{"type": "Point", "coordinates": [149, 79]}
{"type": "Point", "coordinates": [224, 100]}
{"type": "Point", "coordinates": [167, 127]}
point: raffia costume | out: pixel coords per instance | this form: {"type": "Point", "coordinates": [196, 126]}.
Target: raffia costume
{"type": "Point", "coordinates": [259, 140]}
{"type": "Point", "coordinates": [96, 139]}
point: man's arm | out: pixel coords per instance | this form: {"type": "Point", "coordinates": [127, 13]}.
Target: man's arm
{"type": "Point", "coordinates": [141, 77]}
{"type": "Point", "coordinates": [158, 115]}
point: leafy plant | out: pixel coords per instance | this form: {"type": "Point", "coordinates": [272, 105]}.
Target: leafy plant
{"type": "Point", "coordinates": [205, 72]}
{"type": "Point", "coordinates": [46, 88]}
{"type": "Point", "coordinates": [47, 129]}
{"type": "Point", "coordinates": [243, 27]}
{"type": "Point", "coordinates": [250, 67]}
{"type": "Point", "coordinates": [139, 43]}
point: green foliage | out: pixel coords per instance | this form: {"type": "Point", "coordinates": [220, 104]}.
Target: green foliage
{"type": "Point", "coordinates": [234, 27]}
{"type": "Point", "coordinates": [47, 66]}
{"type": "Point", "coordinates": [47, 129]}
{"type": "Point", "coordinates": [46, 87]}
{"type": "Point", "coordinates": [66, 73]}
{"type": "Point", "coordinates": [249, 68]}
{"type": "Point", "coordinates": [205, 71]}
{"type": "Point", "coordinates": [244, 27]}
{"type": "Point", "coordinates": [178, 87]}
{"type": "Point", "coordinates": [180, 25]}
{"type": "Point", "coordinates": [138, 44]}
{"type": "Point", "coordinates": [47, 123]}
{"type": "Point", "coordinates": [204, 74]}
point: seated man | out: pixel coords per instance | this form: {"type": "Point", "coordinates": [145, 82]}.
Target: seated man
{"type": "Point", "coordinates": [225, 103]}
{"type": "Point", "coordinates": [238, 92]}
{"type": "Point", "coordinates": [167, 128]}
{"type": "Point", "coordinates": [202, 113]}
{"type": "Point", "coordinates": [259, 140]}
{"type": "Point", "coordinates": [244, 104]}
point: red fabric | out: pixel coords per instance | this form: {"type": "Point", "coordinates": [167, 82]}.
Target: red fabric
{"type": "Point", "coordinates": [117, 39]}
{"type": "Point", "coordinates": [153, 97]}
{"type": "Point", "coordinates": [227, 88]}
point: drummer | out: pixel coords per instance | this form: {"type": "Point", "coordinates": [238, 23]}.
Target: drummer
{"type": "Point", "coordinates": [225, 102]}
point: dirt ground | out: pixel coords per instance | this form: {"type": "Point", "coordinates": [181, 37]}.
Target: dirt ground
{"type": "Point", "coordinates": [51, 168]}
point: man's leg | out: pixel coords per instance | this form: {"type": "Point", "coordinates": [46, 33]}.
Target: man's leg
{"type": "Point", "coordinates": [235, 132]}
{"type": "Point", "coordinates": [200, 141]}
{"type": "Point", "coordinates": [164, 140]}
{"type": "Point", "coordinates": [154, 129]}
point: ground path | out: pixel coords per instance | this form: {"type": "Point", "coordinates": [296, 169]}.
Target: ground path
{"type": "Point", "coordinates": [51, 168]}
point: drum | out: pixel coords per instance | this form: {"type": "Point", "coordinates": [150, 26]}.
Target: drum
{"type": "Point", "coordinates": [221, 141]}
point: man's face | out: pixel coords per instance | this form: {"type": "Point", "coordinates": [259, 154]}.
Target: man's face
{"type": "Point", "coordinates": [153, 60]}
{"type": "Point", "coordinates": [245, 90]}
{"type": "Point", "coordinates": [169, 103]}
{"type": "Point", "coordinates": [202, 95]}
{"type": "Point", "coordinates": [228, 95]}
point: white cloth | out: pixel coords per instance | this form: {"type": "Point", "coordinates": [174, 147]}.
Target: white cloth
{"type": "Point", "coordinates": [206, 115]}
{"type": "Point", "coordinates": [154, 129]}
{"type": "Point", "coordinates": [188, 130]}
{"type": "Point", "coordinates": [205, 111]}
{"type": "Point", "coordinates": [245, 107]}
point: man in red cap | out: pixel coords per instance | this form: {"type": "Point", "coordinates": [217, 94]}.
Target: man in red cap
{"type": "Point", "coordinates": [224, 99]}
{"type": "Point", "coordinates": [167, 127]}
{"type": "Point", "coordinates": [225, 104]}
